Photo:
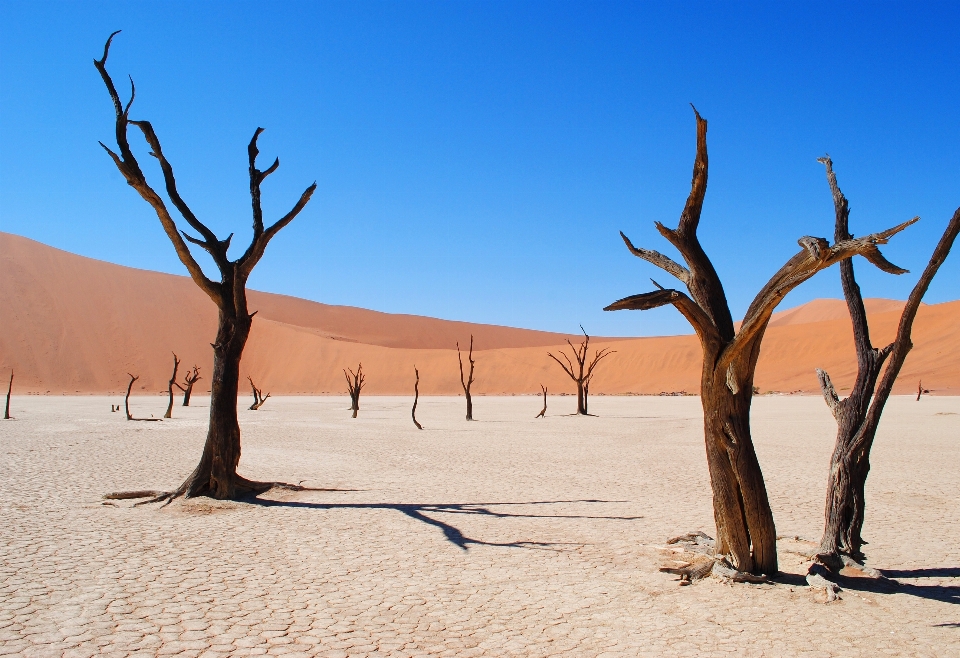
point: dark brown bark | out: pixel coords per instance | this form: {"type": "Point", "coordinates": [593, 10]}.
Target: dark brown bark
{"type": "Point", "coordinates": [189, 380]}
{"type": "Point", "coordinates": [126, 401]}
{"type": "Point", "coordinates": [416, 397]}
{"type": "Point", "coordinates": [543, 412]}
{"type": "Point", "coordinates": [466, 384]}
{"type": "Point", "coordinates": [216, 474]}
{"type": "Point", "coordinates": [745, 528]}
{"type": "Point", "coordinates": [355, 382]}
{"type": "Point", "coordinates": [858, 415]}
{"type": "Point", "coordinates": [583, 372]}
{"type": "Point", "coordinates": [258, 397]}
{"type": "Point", "coordinates": [170, 385]}
{"type": "Point", "coordinates": [6, 409]}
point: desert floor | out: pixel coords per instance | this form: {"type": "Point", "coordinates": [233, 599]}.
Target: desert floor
{"type": "Point", "coordinates": [506, 536]}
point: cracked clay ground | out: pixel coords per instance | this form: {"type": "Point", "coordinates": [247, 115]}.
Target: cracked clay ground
{"type": "Point", "coordinates": [506, 536]}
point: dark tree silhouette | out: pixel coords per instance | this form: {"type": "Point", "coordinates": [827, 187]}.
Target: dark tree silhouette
{"type": "Point", "coordinates": [745, 529]}
{"type": "Point", "coordinates": [216, 473]}
{"type": "Point", "coordinates": [858, 415]}
{"type": "Point", "coordinates": [189, 380]}
{"type": "Point", "coordinates": [543, 412]}
{"type": "Point", "coordinates": [126, 401]}
{"type": "Point", "coordinates": [583, 372]}
{"type": "Point", "coordinates": [258, 397]}
{"type": "Point", "coordinates": [416, 397]}
{"type": "Point", "coordinates": [6, 409]}
{"type": "Point", "coordinates": [173, 382]}
{"type": "Point", "coordinates": [355, 382]}
{"type": "Point", "coordinates": [469, 381]}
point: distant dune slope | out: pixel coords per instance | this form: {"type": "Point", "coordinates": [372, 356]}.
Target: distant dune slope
{"type": "Point", "coordinates": [75, 325]}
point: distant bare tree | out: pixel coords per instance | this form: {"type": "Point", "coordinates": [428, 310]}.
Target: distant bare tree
{"type": "Point", "coordinates": [6, 410]}
{"type": "Point", "coordinates": [355, 382]}
{"type": "Point", "coordinates": [126, 401]}
{"type": "Point", "coordinates": [469, 381]}
{"type": "Point", "coordinates": [258, 397]}
{"type": "Point", "coordinates": [858, 415]}
{"type": "Point", "coordinates": [746, 533]}
{"type": "Point", "coordinates": [173, 382]}
{"type": "Point", "coordinates": [189, 380]}
{"type": "Point", "coordinates": [216, 473]}
{"type": "Point", "coordinates": [543, 412]}
{"type": "Point", "coordinates": [921, 390]}
{"type": "Point", "coordinates": [583, 372]}
{"type": "Point", "coordinates": [416, 396]}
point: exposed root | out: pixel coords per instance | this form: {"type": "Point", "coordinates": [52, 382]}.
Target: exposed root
{"type": "Point", "coordinates": [695, 560]}
{"type": "Point", "coordinates": [816, 579]}
{"type": "Point", "coordinates": [128, 495]}
{"type": "Point", "coordinates": [243, 488]}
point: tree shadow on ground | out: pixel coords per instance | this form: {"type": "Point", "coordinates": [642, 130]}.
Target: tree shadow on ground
{"type": "Point", "coordinates": [453, 534]}
{"type": "Point", "coordinates": [943, 593]}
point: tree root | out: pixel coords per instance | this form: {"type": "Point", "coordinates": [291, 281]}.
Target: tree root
{"type": "Point", "coordinates": [816, 579]}
{"type": "Point", "coordinates": [244, 487]}
{"type": "Point", "coordinates": [827, 571]}
{"type": "Point", "coordinates": [699, 561]}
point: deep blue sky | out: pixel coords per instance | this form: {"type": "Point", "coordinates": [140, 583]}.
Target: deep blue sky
{"type": "Point", "coordinates": [475, 161]}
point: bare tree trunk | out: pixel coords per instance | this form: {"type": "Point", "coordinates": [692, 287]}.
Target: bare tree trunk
{"type": "Point", "coordinates": [6, 410]}
{"type": "Point", "coordinates": [355, 382]}
{"type": "Point", "coordinates": [258, 397]}
{"type": "Point", "coordinates": [126, 402]}
{"type": "Point", "coordinates": [583, 372]}
{"type": "Point", "coordinates": [469, 381]}
{"type": "Point", "coordinates": [745, 529]}
{"type": "Point", "coordinates": [173, 380]}
{"type": "Point", "coordinates": [543, 412]}
{"type": "Point", "coordinates": [858, 415]}
{"type": "Point", "coordinates": [216, 474]}
{"type": "Point", "coordinates": [416, 397]}
{"type": "Point", "coordinates": [189, 380]}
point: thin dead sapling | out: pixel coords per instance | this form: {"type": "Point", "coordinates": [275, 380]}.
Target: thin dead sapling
{"type": "Point", "coordinates": [173, 382]}
{"type": "Point", "coordinates": [355, 382]}
{"type": "Point", "coordinates": [468, 382]}
{"type": "Point", "coordinates": [543, 412]}
{"type": "Point", "coordinates": [258, 397]}
{"type": "Point", "coordinates": [416, 397]}
{"type": "Point", "coordinates": [583, 372]}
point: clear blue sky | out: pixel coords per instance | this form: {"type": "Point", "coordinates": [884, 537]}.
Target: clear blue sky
{"type": "Point", "coordinates": [476, 160]}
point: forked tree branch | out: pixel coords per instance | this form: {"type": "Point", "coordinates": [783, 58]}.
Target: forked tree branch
{"type": "Point", "coordinates": [817, 254]}
{"type": "Point", "coordinates": [700, 277]}
{"type": "Point", "coordinates": [127, 164]}
{"type": "Point", "coordinates": [902, 344]}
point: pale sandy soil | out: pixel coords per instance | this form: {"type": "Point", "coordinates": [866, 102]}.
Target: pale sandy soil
{"type": "Point", "coordinates": [507, 536]}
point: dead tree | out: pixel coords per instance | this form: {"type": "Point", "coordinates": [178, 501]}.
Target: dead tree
{"type": "Point", "coordinates": [126, 401]}
{"type": "Point", "coordinates": [6, 410]}
{"type": "Point", "coordinates": [258, 397]}
{"type": "Point", "coordinates": [745, 530]}
{"type": "Point", "coordinates": [170, 385]}
{"type": "Point", "coordinates": [416, 397]}
{"type": "Point", "coordinates": [921, 390]}
{"type": "Point", "coordinates": [189, 380]}
{"type": "Point", "coordinates": [355, 382]}
{"type": "Point", "coordinates": [216, 473]}
{"type": "Point", "coordinates": [582, 373]}
{"type": "Point", "coordinates": [858, 415]}
{"type": "Point", "coordinates": [543, 412]}
{"type": "Point", "coordinates": [469, 381]}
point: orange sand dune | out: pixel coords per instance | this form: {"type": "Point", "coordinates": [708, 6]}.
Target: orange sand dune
{"type": "Point", "coordinates": [75, 325]}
